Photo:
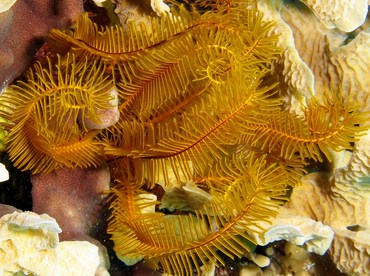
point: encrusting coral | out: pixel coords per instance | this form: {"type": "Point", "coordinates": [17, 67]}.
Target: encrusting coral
{"type": "Point", "coordinates": [6, 5]}
{"type": "Point", "coordinates": [339, 197]}
{"type": "Point", "coordinates": [296, 81]}
{"type": "Point", "coordinates": [344, 15]}
{"type": "Point", "coordinates": [336, 59]}
{"type": "Point", "coordinates": [72, 196]}
{"type": "Point", "coordinates": [4, 174]}
{"type": "Point", "coordinates": [310, 234]}
{"type": "Point", "coordinates": [196, 107]}
{"type": "Point", "coordinates": [347, 217]}
{"type": "Point", "coordinates": [29, 244]}
{"type": "Point", "coordinates": [22, 28]}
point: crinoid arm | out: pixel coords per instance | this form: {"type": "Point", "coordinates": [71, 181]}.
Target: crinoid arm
{"type": "Point", "coordinates": [47, 112]}
{"type": "Point", "coordinates": [333, 124]}
{"type": "Point", "coordinates": [181, 244]}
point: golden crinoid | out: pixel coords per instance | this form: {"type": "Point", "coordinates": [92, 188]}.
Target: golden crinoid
{"type": "Point", "coordinates": [47, 114]}
{"type": "Point", "coordinates": [196, 106]}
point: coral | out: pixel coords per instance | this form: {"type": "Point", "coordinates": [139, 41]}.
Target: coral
{"type": "Point", "coordinates": [7, 209]}
{"type": "Point", "coordinates": [72, 196]}
{"type": "Point", "coordinates": [313, 235]}
{"type": "Point", "coordinates": [312, 49]}
{"type": "Point", "coordinates": [294, 260]}
{"type": "Point", "coordinates": [4, 174]}
{"type": "Point", "coordinates": [159, 7]}
{"type": "Point", "coordinates": [348, 219]}
{"type": "Point", "coordinates": [342, 201]}
{"type": "Point", "coordinates": [327, 58]}
{"type": "Point", "coordinates": [6, 5]}
{"type": "Point", "coordinates": [296, 81]}
{"type": "Point", "coordinates": [336, 59]}
{"type": "Point", "coordinates": [136, 13]}
{"type": "Point", "coordinates": [250, 269]}
{"type": "Point", "coordinates": [344, 15]}
{"type": "Point", "coordinates": [22, 28]}
{"type": "Point", "coordinates": [29, 244]}
{"type": "Point", "coordinates": [352, 66]}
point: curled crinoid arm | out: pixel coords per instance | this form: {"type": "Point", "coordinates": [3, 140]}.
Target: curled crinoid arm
{"type": "Point", "coordinates": [45, 110]}
{"type": "Point", "coordinates": [181, 244]}
{"type": "Point", "coordinates": [333, 124]}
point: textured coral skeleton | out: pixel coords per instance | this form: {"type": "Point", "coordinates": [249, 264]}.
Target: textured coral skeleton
{"type": "Point", "coordinates": [196, 105]}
